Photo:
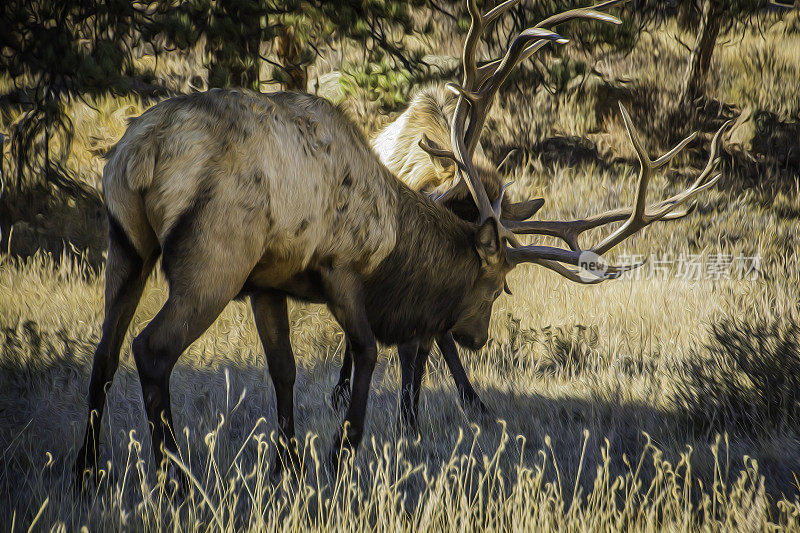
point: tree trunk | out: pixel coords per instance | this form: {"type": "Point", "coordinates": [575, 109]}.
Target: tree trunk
{"type": "Point", "coordinates": [288, 50]}
{"type": "Point", "coordinates": [694, 78]}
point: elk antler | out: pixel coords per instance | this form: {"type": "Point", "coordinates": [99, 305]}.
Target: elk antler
{"type": "Point", "coordinates": [480, 84]}
{"type": "Point", "coordinates": [635, 218]}
{"type": "Point", "coordinates": [479, 87]}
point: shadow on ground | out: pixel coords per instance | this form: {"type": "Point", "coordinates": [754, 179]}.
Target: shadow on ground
{"type": "Point", "coordinates": [42, 412]}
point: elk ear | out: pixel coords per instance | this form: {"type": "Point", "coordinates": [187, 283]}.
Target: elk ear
{"type": "Point", "coordinates": [522, 210]}
{"type": "Point", "coordinates": [487, 242]}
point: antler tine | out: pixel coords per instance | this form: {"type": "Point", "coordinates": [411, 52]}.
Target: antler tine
{"type": "Point", "coordinates": [570, 274]}
{"type": "Point", "coordinates": [467, 167]}
{"type": "Point", "coordinates": [461, 155]}
{"type": "Point", "coordinates": [639, 218]}
{"type": "Point", "coordinates": [481, 101]}
{"type": "Point", "coordinates": [476, 26]}
{"type": "Point", "coordinates": [435, 150]}
{"type": "Point", "coordinates": [665, 210]}
{"type": "Point", "coordinates": [487, 70]}
{"type": "Point", "coordinates": [583, 12]}
{"type": "Point", "coordinates": [498, 10]}
{"type": "Point", "coordinates": [668, 209]}
{"type": "Point", "coordinates": [550, 257]}
{"type": "Point", "coordinates": [478, 23]}
{"type": "Point", "coordinates": [498, 202]}
{"type": "Point", "coordinates": [569, 230]}
{"type": "Point", "coordinates": [635, 218]}
{"type": "Point", "coordinates": [453, 192]}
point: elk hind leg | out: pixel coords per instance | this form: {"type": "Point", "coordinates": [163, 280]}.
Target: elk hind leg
{"type": "Point", "coordinates": [126, 274]}
{"type": "Point", "coordinates": [341, 392]}
{"type": "Point", "coordinates": [203, 274]}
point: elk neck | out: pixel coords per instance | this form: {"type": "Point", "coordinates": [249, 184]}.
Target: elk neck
{"type": "Point", "coordinates": [418, 289]}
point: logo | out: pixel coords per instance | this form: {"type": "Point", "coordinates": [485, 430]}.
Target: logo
{"type": "Point", "coordinates": [592, 265]}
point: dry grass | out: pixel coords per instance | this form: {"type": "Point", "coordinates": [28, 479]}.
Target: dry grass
{"type": "Point", "coordinates": [612, 397]}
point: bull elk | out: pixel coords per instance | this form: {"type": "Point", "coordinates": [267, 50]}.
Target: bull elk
{"type": "Point", "coordinates": [411, 147]}
{"type": "Point", "coordinates": [277, 195]}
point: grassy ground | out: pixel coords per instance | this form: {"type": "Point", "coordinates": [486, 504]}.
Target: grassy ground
{"type": "Point", "coordinates": [651, 402]}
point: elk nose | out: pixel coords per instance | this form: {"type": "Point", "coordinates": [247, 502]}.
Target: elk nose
{"type": "Point", "coordinates": [478, 342]}
{"type": "Point", "coordinates": [471, 342]}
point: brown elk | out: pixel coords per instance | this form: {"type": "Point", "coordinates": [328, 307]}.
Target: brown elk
{"type": "Point", "coordinates": [277, 195]}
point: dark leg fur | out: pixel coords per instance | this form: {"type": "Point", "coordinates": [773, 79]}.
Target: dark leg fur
{"type": "Point", "coordinates": [272, 323]}
{"type": "Point", "coordinates": [126, 274]}
{"type": "Point", "coordinates": [345, 300]}
{"type": "Point", "coordinates": [206, 267]}
{"type": "Point", "coordinates": [413, 358]}
{"type": "Point", "coordinates": [468, 396]}
{"type": "Point", "coordinates": [183, 318]}
{"type": "Point", "coordinates": [423, 351]}
{"type": "Point", "coordinates": [340, 396]}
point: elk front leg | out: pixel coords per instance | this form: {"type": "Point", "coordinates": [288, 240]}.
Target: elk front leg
{"type": "Point", "coordinates": [423, 352]}
{"type": "Point", "coordinates": [341, 392]}
{"type": "Point", "coordinates": [468, 396]}
{"type": "Point", "coordinates": [272, 323]}
{"type": "Point", "coordinates": [407, 354]}
{"type": "Point", "coordinates": [413, 358]}
{"type": "Point", "coordinates": [344, 292]}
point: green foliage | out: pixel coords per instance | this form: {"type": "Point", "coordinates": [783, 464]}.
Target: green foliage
{"type": "Point", "coordinates": [385, 84]}
{"type": "Point", "coordinates": [233, 34]}
{"type": "Point", "coordinates": [54, 52]}
{"type": "Point", "coordinates": [730, 12]}
{"type": "Point", "coordinates": [564, 70]}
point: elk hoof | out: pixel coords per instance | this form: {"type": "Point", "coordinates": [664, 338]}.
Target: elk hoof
{"type": "Point", "coordinates": [176, 482]}
{"type": "Point", "coordinates": [338, 458]}
{"type": "Point", "coordinates": [471, 403]}
{"type": "Point", "coordinates": [340, 397]}
{"type": "Point", "coordinates": [287, 460]}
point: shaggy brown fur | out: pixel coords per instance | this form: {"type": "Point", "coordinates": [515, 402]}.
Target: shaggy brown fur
{"type": "Point", "coordinates": [430, 114]}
